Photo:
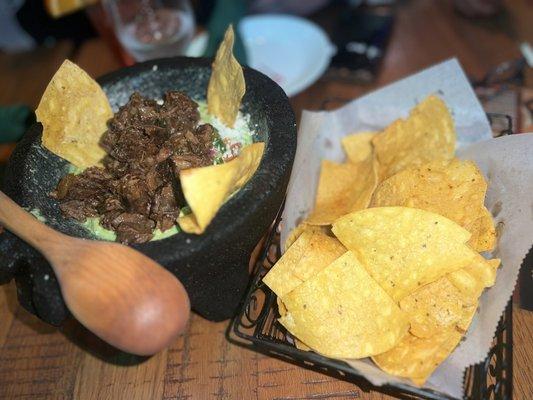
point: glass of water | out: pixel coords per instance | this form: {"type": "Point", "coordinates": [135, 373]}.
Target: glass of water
{"type": "Point", "coordinates": [151, 29]}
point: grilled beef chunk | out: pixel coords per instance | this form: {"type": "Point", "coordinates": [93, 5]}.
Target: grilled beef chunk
{"type": "Point", "coordinates": [147, 144]}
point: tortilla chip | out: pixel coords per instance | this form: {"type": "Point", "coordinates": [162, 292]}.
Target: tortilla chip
{"type": "Point", "coordinates": [472, 279]}
{"type": "Point", "coordinates": [342, 312]}
{"type": "Point", "coordinates": [207, 188]}
{"type": "Point", "coordinates": [343, 188]}
{"type": "Point", "coordinates": [449, 301]}
{"type": "Point", "coordinates": [282, 312]}
{"type": "Point", "coordinates": [469, 288]}
{"type": "Point", "coordinates": [428, 134]}
{"type": "Point", "coordinates": [466, 318]}
{"type": "Point", "coordinates": [483, 232]}
{"type": "Point", "coordinates": [358, 146]}
{"type": "Point", "coordinates": [226, 85]}
{"type": "Point", "coordinates": [455, 190]}
{"type": "Point", "coordinates": [483, 270]}
{"type": "Point", "coordinates": [281, 307]}
{"type": "Point", "coordinates": [433, 308]}
{"type": "Point", "coordinates": [299, 229]}
{"type": "Point", "coordinates": [74, 111]}
{"type": "Point", "coordinates": [310, 254]}
{"type": "Point", "coordinates": [301, 345]}
{"type": "Point", "coordinates": [404, 248]}
{"type": "Point", "coordinates": [417, 358]}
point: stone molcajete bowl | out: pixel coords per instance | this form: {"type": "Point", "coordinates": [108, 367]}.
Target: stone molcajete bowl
{"type": "Point", "coordinates": [213, 266]}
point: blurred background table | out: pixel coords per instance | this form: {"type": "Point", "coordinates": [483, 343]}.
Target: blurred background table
{"type": "Point", "coordinates": [37, 361]}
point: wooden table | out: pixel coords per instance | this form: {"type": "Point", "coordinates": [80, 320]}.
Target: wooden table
{"type": "Point", "coordinates": [37, 361]}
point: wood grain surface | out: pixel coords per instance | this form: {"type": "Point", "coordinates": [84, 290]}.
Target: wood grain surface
{"type": "Point", "coordinates": [40, 362]}
{"type": "Point", "coordinates": [37, 361]}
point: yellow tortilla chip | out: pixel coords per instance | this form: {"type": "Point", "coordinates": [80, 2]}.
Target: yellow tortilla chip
{"type": "Point", "coordinates": [207, 188]}
{"type": "Point", "coordinates": [299, 229]}
{"type": "Point", "coordinates": [466, 318]}
{"type": "Point", "coordinates": [483, 232]}
{"type": "Point", "coordinates": [428, 134]}
{"type": "Point", "coordinates": [483, 270]}
{"type": "Point", "coordinates": [358, 146]}
{"type": "Point", "coordinates": [472, 279]}
{"type": "Point", "coordinates": [226, 85]}
{"type": "Point", "coordinates": [404, 248]}
{"type": "Point", "coordinates": [343, 188]}
{"type": "Point", "coordinates": [74, 111]}
{"type": "Point", "coordinates": [281, 307]}
{"type": "Point", "coordinates": [449, 301]}
{"type": "Point", "coordinates": [453, 189]}
{"type": "Point", "coordinates": [417, 358]}
{"type": "Point", "coordinates": [469, 289]}
{"type": "Point", "coordinates": [310, 254]}
{"type": "Point", "coordinates": [433, 308]}
{"type": "Point", "coordinates": [282, 312]}
{"type": "Point", "coordinates": [301, 345]}
{"type": "Point", "coordinates": [342, 312]}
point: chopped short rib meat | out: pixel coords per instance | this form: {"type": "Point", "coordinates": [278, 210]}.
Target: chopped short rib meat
{"type": "Point", "coordinates": [135, 191]}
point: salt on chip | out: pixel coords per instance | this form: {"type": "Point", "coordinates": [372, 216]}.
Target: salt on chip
{"type": "Point", "coordinates": [343, 188]}
{"type": "Point", "coordinates": [473, 278]}
{"type": "Point", "coordinates": [454, 189]}
{"type": "Point", "coordinates": [310, 254]}
{"type": "Point", "coordinates": [342, 312]}
{"type": "Point", "coordinates": [299, 229]}
{"type": "Point", "coordinates": [433, 307]}
{"type": "Point", "coordinates": [427, 134]}
{"type": "Point", "coordinates": [404, 248]}
{"type": "Point", "coordinates": [226, 85]}
{"type": "Point", "coordinates": [74, 111]}
{"type": "Point", "coordinates": [358, 146]}
{"type": "Point", "coordinates": [417, 358]}
{"type": "Point", "coordinates": [207, 188]}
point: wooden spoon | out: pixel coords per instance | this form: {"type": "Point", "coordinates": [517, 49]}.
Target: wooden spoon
{"type": "Point", "coordinates": [119, 294]}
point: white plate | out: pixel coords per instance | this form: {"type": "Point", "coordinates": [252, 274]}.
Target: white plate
{"type": "Point", "coordinates": [292, 51]}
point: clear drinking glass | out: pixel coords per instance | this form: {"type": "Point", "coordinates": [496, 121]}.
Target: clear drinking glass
{"type": "Point", "coordinates": [151, 29]}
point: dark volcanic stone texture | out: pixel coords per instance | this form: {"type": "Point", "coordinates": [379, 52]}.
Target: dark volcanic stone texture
{"type": "Point", "coordinates": [213, 266]}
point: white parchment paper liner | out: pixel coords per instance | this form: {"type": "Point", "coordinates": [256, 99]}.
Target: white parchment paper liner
{"type": "Point", "coordinates": [506, 162]}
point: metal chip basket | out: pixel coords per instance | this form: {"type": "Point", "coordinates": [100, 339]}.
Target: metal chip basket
{"type": "Point", "coordinates": [256, 327]}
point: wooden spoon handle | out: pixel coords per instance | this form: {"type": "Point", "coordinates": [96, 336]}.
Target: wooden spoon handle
{"type": "Point", "coordinates": [25, 225]}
